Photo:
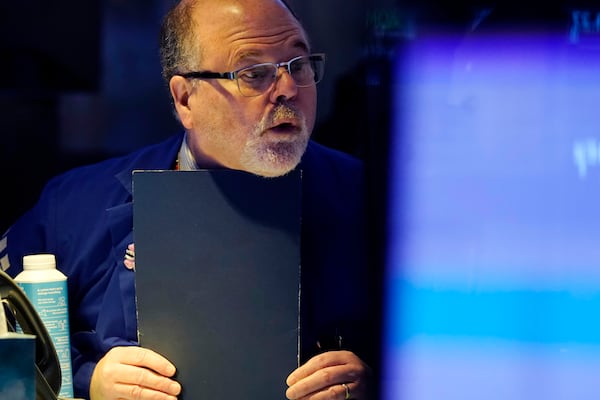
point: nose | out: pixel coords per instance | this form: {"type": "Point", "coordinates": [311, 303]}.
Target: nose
{"type": "Point", "coordinates": [284, 85]}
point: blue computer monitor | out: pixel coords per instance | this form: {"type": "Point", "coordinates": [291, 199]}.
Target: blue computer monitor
{"type": "Point", "coordinates": [492, 273]}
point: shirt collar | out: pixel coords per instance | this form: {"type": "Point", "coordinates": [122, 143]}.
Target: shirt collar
{"type": "Point", "coordinates": [185, 158]}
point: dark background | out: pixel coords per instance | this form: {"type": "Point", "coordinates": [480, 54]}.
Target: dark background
{"type": "Point", "coordinates": [80, 82]}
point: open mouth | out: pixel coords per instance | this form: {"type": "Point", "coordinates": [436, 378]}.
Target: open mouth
{"type": "Point", "coordinates": [285, 127]}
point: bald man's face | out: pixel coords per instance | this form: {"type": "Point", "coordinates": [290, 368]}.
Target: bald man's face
{"type": "Point", "coordinates": [265, 134]}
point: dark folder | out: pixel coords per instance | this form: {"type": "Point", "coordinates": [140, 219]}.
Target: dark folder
{"type": "Point", "coordinates": [218, 278]}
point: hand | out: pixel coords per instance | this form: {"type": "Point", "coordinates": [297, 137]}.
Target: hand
{"type": "Point", "coordinates": [129, 259]}
{"type": "Point", "coordinates": [133, 373]}
{"type": "Point", "coordinates": [324, 376]}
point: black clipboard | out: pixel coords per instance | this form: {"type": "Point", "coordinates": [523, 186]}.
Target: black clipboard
{"type": "Point", "coordinates": [218, 278]}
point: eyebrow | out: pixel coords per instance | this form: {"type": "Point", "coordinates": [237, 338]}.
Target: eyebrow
{"type": "Point", "coordinates": [300, 44]}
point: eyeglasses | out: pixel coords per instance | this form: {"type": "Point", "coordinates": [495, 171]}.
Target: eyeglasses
{"type": "Point", "coordinates": [256, 79]}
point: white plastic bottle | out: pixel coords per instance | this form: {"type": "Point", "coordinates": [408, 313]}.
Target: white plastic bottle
{"type": "Point", "coordinates": [46, 288]}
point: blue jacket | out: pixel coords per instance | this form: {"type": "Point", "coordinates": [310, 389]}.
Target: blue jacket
{"type": "Point", "coordinates": [84, 217]}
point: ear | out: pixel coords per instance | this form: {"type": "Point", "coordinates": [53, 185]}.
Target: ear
{"type": "Point", "coordinates": [181, 90]}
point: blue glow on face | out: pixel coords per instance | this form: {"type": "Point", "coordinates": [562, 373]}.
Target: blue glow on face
{"type": "Point", "coordinates": [493, 264]}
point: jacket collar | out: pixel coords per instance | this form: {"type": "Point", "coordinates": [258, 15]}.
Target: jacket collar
{"type": "Point", "coordinates": [160, 156]}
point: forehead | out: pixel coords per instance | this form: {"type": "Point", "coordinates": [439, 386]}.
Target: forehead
{"type": "Point", "coordinates": [249, 29]}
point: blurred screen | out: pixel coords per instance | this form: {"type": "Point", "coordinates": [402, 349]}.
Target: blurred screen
{"type": "Point", "coordinates": [492, 275]}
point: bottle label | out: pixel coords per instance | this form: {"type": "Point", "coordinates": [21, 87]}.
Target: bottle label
{"type": "Point", "coordinates": [50, 300]}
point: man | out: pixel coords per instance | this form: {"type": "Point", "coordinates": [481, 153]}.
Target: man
{"type": "Point", "coordinates": [257, 119]}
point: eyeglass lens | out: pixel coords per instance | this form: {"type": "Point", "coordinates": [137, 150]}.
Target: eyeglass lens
{"type": "Point", "coordinates": [255, 80]}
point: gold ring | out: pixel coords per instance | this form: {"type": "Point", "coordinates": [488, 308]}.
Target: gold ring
{"type": "Point", "coordinates": [347, 389]}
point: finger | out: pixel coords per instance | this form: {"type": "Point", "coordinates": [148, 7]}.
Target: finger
{"type": "Point", "coordinates": [337, 392]}
{"type": "Point", "coordinates": [141, 357]}
{"type": "Point", "coordinates": [129, 264]}
{"type": "Point", "coordinates": [324, 360]}
{"type": "Point", "coordinates": [134, 376]}
{"type": "Point", "coordinates": [133, 392]}
{"type": "Point", "coordinates": [328, 379]}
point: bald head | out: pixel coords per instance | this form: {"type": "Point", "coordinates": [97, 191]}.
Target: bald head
{"type": "Point", "coordinates": [181, 45]}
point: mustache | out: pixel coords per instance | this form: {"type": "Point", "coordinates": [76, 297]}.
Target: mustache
{"type": "Point", "coordinates": [285, 112]}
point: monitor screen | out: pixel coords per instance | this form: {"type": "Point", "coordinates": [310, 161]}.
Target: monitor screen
{"type": "Point", "coordinates": [492, 273]}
